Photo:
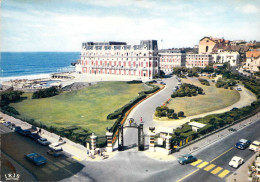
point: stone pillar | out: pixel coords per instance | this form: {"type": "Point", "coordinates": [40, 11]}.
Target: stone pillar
{"type": "Point", "coordinates": [151, 146]}
{"type": "Point", "coordinates": [168, 144]}
{"type": "Point", "coordinates": [93, 143]}
{"type": "Point", "coordinates": [109, 147]}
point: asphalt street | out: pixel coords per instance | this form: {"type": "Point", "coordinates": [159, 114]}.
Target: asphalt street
{"type": "Point", "coordinates": [56, 168]}
{"type": "Point", "coordinates": [131, 165]}
{"type": "Point", "coordinates": [146, 110]}
{"type": "Point", "coordinates": [220, 153]}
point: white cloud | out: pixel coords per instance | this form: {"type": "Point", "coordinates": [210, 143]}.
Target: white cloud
{"type": "Point", "coordinates": [248, 9]}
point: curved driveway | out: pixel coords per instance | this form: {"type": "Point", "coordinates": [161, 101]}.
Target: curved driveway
{"type": "Point", "coordinates": [146, 110]}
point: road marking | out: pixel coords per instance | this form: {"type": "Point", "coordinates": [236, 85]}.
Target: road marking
{"type": "Point", "coordinates": [53, 167]}
{"type": "Point", "coordinates": [65, 162]}
{"type": "Point", "coordinates": [209, 167]}
{"type": "Point", "coordinates": [78, 159]}
{"type": "Point", "coordinates": [46, 170]}
{"type": "Point", "coordinates": [202, 165]}
{"type": "Point", "coordinates": [71, 160]}
{"type": "Point", "coordinates": [221, 154]}
{"type": "Point", "coordinates": [59, 164]}
{"type": "Point", "coordinates": [215, 171]}
{"type": "Point", "coordinates": [196, 162]}
{"type": "Point", "coordinates": [224, 173]}
{"type": "Point", "coordinates": [188, 175]}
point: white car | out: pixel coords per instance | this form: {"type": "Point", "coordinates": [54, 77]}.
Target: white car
{"type": "Point", "coordinates": [43, 141]}
{"type": "Point", "coordinates": [236, 161]}
{"type": "Point", "coordinates": [56, 146]}
{"type": "Point", "coordinates": [179, 83]}
{"type": "Point", "coordinates": [239, 89]}
{"type": "Point", "coordinates": [254, 146]}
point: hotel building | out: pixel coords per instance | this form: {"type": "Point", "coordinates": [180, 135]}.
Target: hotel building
{"type": "Point", "coordinates": [118, 58]}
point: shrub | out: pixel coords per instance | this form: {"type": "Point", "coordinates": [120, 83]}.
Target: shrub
{"type": "Point", "coordinates": [43, 93]}
{"type": "Point", "coordinates": [204, 82]}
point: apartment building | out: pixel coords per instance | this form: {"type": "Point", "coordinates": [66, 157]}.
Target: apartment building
{"type": "Point", "coordinates": [171, 58]}
{"type": "Point", "coordinates": [118, 58]}
{"type": "Point", "coordinates": [252, 61]}
{"type": "Point", "coordinates": [198, 60]}
{"type": "Point", "coordinates": [231, 57]}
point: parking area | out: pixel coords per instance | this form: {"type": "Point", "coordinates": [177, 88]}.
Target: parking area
{"type": "Point", "coordinates": [16, 146]}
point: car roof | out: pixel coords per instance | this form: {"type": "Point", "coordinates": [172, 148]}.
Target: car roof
{"type": "Point", "coordinates": [236, 158]}
{"type": "Point", "coordinates": [187, 155]}
{"type": "Point", "coordinates": [256, 142]}
{"type": "Point", "coordinates": [243, 140]}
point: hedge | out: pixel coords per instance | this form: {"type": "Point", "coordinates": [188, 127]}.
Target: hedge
{"type": "Point", "coordinates": [134, 82]}
{"type": "Point", "coordinates": [123, 109]}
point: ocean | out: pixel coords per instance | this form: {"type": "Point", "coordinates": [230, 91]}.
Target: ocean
{"type": "Point", "coordinates": [19, 65]}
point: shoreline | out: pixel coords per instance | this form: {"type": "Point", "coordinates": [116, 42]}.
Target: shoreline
{"type": "Point", "coordinates": [29, 77]}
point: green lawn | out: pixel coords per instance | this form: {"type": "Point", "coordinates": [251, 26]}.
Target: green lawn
{"type": "Point", "coordinates": [214, 99]}
{"type": "Point", "coordinates": [87, 108]}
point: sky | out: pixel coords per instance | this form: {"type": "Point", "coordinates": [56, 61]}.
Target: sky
{"type": "Point", "coordinates": [62, 25]}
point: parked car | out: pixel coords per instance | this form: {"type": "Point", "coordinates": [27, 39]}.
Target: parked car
{"type": "Point", "coordinates": [187, 158]}
{"type": "Point", "coordinates": [24, 132]}
{"type": "Point", "coordinates": [179, 83]}
{"type": "Point", "coordinates": [43, 141]}
{"type": "Point", "coordinates": [254, 146]}
{"type": "Point", "coordinates": [236, 162]}
{"type": "Point", "coordinates": [17, 128]}
{"type": "Point", "coordinates": [34, 136]}
{"type": "Point", "coordinates": [56, 146]}
{"type": "Point", "coordinates": [242, 144]}
{"type": "Point", "coordinates": [239, 89]}
{"type": "Point", "coordinates": [234, 109]}
{"type": "Point", "coordinates": [174, 89]}
{"type": "Point", "coordinates": [154, 81]}
{"type": "Point", "coordinates": [7, 123]}
{"type": "Point", "coordinates": [35, 158]}
{"type": "Point", "coordinates": [162, 83]}
{"type": "Point", "coordinates": [55, 153]}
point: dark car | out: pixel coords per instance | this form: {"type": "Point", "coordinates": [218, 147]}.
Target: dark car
{"type": "Point", "coordinates": [35, 158]}
{"type": "Point", "coordinates": [17, 129]}
{"type": "Point", "coordinates": [234, 109]}
{"type": "Point", "coordinates": [242, 144]}
{"type": "Point", "coordinates": [34, 136]}
{"type": "Point", "coordinates": [187, 158]}
{"type": "Point", "coordinates": [24, 132]}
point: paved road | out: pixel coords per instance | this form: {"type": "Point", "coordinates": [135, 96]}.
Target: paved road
{"type": "Point", "coordinates": [132, 165]}
{"type": "Point", "coordinates": [16, 146]}
{"type": "Point", "coordinates": [146, 110]}
{"type": "Point", "coordinates": [220, 153]}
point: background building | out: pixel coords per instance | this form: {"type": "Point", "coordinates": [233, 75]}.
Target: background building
{"type": "Point", "coordinates": [170, 58]}
{"type": "Point", "coordinates": [208, 44]}
{"type": "Point", "coordinates": [198, 60]}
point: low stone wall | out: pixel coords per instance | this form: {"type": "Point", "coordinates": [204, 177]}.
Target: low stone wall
{"type": "Point", "coordinates": [76, 86]}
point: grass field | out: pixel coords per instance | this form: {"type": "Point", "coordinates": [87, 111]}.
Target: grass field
{"type": "Point", "coordinates": [214, 99]}
{"type": "Point", "coordinates": [87, 108]}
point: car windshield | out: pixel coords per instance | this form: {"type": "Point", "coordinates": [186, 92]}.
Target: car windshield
{"type": "Point", "coordinates": [43, 139]}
